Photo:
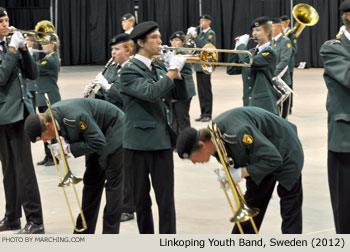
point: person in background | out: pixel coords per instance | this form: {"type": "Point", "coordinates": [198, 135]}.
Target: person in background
{"type": "Point", "coordinates": [182, 108]}
{"type": "Point", "coordinates": [128, 22]}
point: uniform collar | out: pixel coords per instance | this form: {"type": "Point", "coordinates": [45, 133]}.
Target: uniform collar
{"type": "Point", "coordinates": [144, 60]}
{"type": "Point", "coordinates": [262, 47]}
{"type": "Point", "coordinates": [277, 37]}
{"type": "Point", "coordinates": [129, 31]}
{"type": "Point", "coordinates": [204, 31]}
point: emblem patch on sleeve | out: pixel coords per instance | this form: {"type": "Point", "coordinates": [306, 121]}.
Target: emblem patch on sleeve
{"type": "Point", "coordinates": [82, 125]}
{"type": "Point", "coordinates": [210, 36]}
{"type": "Point", "coordinates": [44, 62]}
{"type": "Point", "coordinates": [265, 53]}
{"type": "Point", "coordinates": [289, 45]}
{"type": "Point", "coordinates": [295, 41]}
{"type": "Point", "coordinates": [247, 139]}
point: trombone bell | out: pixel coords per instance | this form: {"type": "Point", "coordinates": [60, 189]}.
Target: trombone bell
{"type": "Point", "coordinates": [69, 179]}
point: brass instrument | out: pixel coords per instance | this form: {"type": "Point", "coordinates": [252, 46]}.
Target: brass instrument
{"type": "Point", "coordinates": [243, 212]}
{"type": "Point", "coordinates": [282, 90]}
{"type": "Point", "coordinates": [189, 37]}
{"type": "Point", "coordinates": [43, 33]}
{"type": "Point", "coordinates": [208, 56]}
{"type": "Point", "coordinates": [305, 15]}
{"type": "Point", "coordinates": [69, 179]}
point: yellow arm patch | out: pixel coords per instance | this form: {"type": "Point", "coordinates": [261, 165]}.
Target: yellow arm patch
{"type": "Point", "coordinates": [295, 41]}
{"type": "Point", "coordinates": [82, 125]}
{"type": "Point", "coordinates": [247, 139]}
{"type": "Point", "coordinates": [289, 45]}
{"type": "Point", "coordinates": [265, 53]}
{"type": "Point", "coordinates": [44, 62]}
{"type": "Point", "coordinates": [210, 36]}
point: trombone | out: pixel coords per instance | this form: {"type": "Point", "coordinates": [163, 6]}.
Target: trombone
{"type": "Point", "coordinates": [69, 179]}
{"type": "Point", "coordinates": [208, 56]}
{"type": "Point", "coordinates": [243, 212]}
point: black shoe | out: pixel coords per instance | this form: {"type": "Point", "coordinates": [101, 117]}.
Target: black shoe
{"type": "Point", "coordinates": [32, 228]}
{"type": "Point", "coordinates": [205, 119]}
{"type": "Point", "coordinates": [43, 161]}
{"type": "Point", "coordinates": [198, 119]}
{"type": "Point", "coordinates": [50, 162]}
{"type": "Point", "coordinates": [126, 217]}
{"type": "Point", "coordinates": [6, 225]}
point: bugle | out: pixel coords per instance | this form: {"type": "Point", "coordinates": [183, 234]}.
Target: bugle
{"type": "Point", "coordinates": [208, 56]}
{"type": "Point", "coordinates": [242, 212]}
{"type": "Point", "coordinates": [69, 179]}
{"type": "Point", "coordinates": [43, 33]}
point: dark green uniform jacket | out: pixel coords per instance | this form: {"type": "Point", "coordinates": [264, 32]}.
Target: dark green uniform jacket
{"type": "Point", "coordinates": [257, 79]}
{"type": "Point", "coordinates": [147, 106]}
{"type": "Point", "coordinates": [14, 96]}
{"type": "Point", "coordinates": [47, 81]}
{"type": "Point", "coordinates": [262, 142]}
{"type": "Point", "coordinates": [283, 48]}
{"type": "Point", "coordinates": [293, 39]}
{"type": "Point", "coordinates": [90, 126]}
{"type": "Point", "coordinates": [186, 73]}
{"type": "Point", "coordinates": [31, 84]}
{"type": "Point", "coordinates": [336, 57]}
{"type": "Point", "coordinates": [201, 40]}
{"type": "Point", "coordinates": [113, 94]}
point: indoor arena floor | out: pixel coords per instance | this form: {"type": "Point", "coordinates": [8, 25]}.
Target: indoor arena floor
{"type": "Point", "coordinates": [201, 206]}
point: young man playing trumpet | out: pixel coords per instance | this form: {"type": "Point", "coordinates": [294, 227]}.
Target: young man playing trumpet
{"type": "Point", "coordinates": [20, 183]}
{"type": "Point", "coordinates": [266, 150]}
{"type": "Point", "coordinates": [93, 128]}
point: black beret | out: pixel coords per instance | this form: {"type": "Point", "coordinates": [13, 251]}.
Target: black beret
{"type": "Point", "coordinates": [120, 38]}
{"type": "Point", "coordinates": [205, 16]}
{"type": "Point", "coordinates": [3, 12]}
{"type": "Point", "coordinates": [127, 16]}
{"type": "Point", "coordinates": [284, 18]}
{"type": "Point", "coordinates": [185, 142]}
{"type": "Point", "coordinates": [141, 30]}
{"type": "Point", "coordinates": [32, 127]}
{"type": "Point", "coordinates": [178, 34]}
{"type": "Point", "coordinates": [345, 6]}
{"type": "Point", "coordinates": [259, 21]}
{"type": "Point", "coordinates": [276, 20]}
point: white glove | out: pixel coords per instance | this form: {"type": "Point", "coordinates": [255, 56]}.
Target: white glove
{"type": "Point", "coordinates": [168, 57]}
{"type": "Point", "coordinates": [55, 148]}
{"type": "Point", "coordinates": [192, 31]}
{"type": "Point", "coordinates": [101, 80]}
{"type": "Point", "coordinates": [177, 62]}
{"type": "Point", "coordinates": [17, 40]}
{"type": "Point", "coordinates": [236, 175]}
{"type": "Point", "coordinates": [88, 89]}
{"type": "Point", "coordinates": [243, 39]}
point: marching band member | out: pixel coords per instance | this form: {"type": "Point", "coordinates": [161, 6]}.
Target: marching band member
{"type": "Point", "coordinates": [283, 48]}
{"type": "Point", "coordinates": [293, 39]}
{"type": "Point", "coordinates": [257, 79]}
{"type": "Point", "coordinates": [266, 150]}
{"type": "Point", "coordinates": [49, 68]}
{"type": "Point", "coordinates": [205, 95]}
{"type": "Point", "coordinates": [147, 91]}
{"type": "Point", "coordinates": [182, 108]}
{"type": "Point", "coordinates": [128, 22]}
{"type": "Point", "coordinates": [20, 183]}
{"type": "Point", "coordinates": [93, 128]}
{"type": "Point", "coordinates": [335, 55]}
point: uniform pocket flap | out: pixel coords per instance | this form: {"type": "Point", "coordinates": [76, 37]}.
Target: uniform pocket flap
{"type": "Point", "coordinates": [342, 117]}
{"type": "Point", "coordinates": [145, 124]}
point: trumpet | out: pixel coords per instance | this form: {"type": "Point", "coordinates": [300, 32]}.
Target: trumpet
{"type": "Point", "coordinates": [243, 212]}
{"type": "Point", "coordinates": [43, 33]}
{"type": "Point", "coordinates": [69, 179]}
{"type": "Point", "coordinates": [208, 56]}
{"type": "Point", "coordinates": [91, 91]}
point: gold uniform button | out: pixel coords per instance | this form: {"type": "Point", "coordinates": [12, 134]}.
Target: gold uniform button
{"type": "Point", "coordinates": [248, 78]}
{"type": "Point", "coordinates": [250, 97]}
{"type": "Point", "coordinates": [163, 100]}
{"type": "Point", "coordinates": [161, 77]}
{"type": "Point", "coordinates": [250, 88]}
